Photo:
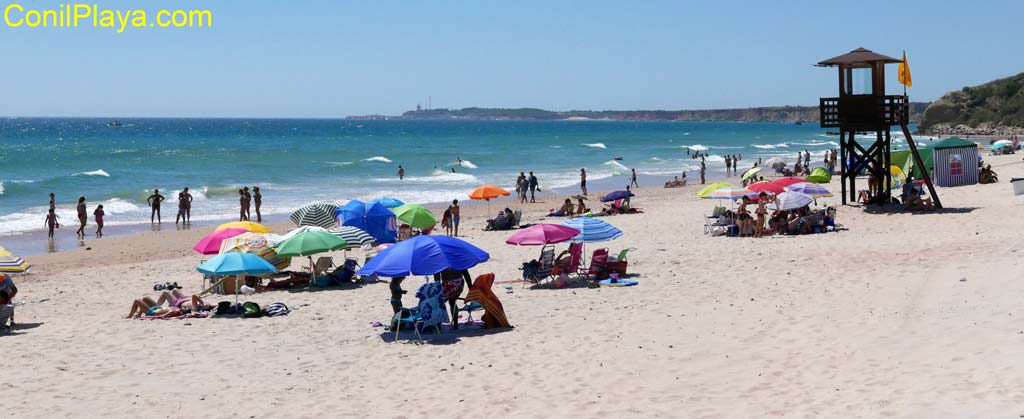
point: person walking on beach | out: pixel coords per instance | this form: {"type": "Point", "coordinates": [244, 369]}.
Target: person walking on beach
{"type": "Point", "coordinates": [632, 181]}
{"type": "Point", "coordinates": [532, 182]}
{"type": "Point", "coordinates": [583, 180]}
{"type": "Point", "coordinates": [401, 173]}
{"type": "Point", "coordinates": [154, 201]}
{"type": "Point", "coordinates": [258, 201]}
{"type": "Point", "coordinates": [521, 187]}
{"type": "Point", "coordinates": [82, 217]}
{"type": "Point", "coordinates": [53, 206]}
{"type": "Point", "coordinates": [703, 169]}
{"type": "Point", "coordinates": [446, 221]}
{"type": "Point", "coordinates": [728, 165]}
{"type": "Point", "coordinates": [455, 217]}
{"type": "Point", "coordinates": [98, 213]}
{"type": "Point", "coordinates": [51, 223]}
{"type": "Point", "coordinates": [241, 205]}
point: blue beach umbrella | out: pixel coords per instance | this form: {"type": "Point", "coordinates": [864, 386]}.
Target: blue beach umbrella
{"type": "Point", "coordinates": [424, 255]}
{"type": "Point", "coordinates": [613, 196]}
{"type": "Point", "coordinates": [593, 229]}
{"type": "Point", "coordinates": [236, 264]}
{"type": "Point", "coordinates": [388, 202]}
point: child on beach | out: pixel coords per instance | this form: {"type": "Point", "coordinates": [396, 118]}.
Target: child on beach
{"type": "Point", "coordinates": [455, 216]}
{"type": "Point", "coordinates": [98, 213]}
{"type": "Point", "coordinates": [396, 293]}
{"type": "Point", "coordinates": [446, 221]}
{"type": "Point", "coordinates": [51, 223]}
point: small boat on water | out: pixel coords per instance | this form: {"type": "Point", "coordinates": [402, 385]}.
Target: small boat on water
{"type": "Point", "coordinates": [619, 158]}
{"type": "Point", "coordinates": [114, 124]}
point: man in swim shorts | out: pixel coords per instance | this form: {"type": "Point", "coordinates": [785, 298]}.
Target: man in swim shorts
{"type": "Point", "coordinates": [455, 217]}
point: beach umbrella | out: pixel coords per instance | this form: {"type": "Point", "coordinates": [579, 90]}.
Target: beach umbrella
{"type": "Point", "coordinates": [388, 202]}
{"type": "Point", "coordinates": [707, 190]}
{"type": "Point", "coordinates": [898, 177]}
{"type": "Point", "coordinates": [786, 181]}
{"type": "Point", "coordinates": [766, 186]}
{"type": "Point", "coordinates": [541, 234]}
{"type": "Point", "coordinates": [236, 264]}
{"type": "Point", "coordinates": [11, 264]}
{"type": "Point", "coordinates": [732, 193]}
{"type": "Point", "coordinates": [775, 163]}
{"type": "Point", "coordinates": [415, 216]}
{"type": "Point", "coordinates": [320, 214]}
{"type": "Point", "coordinates": [820, 175]}
{"type": "Point", "coordinates": [488, 192]}
{"type": "Point", "coordinates": [788, 201]}
{"type": "Point", "coordinates": [210, 245]}
{"type": "Point", "coordinates": [998, 146]}
{"type": "Point", "coordinates": [592, 229]}
{"type": "Point", "coordinates": [354, 236]}
{"type": "Point", "coordinates": [257, 244]}
{"type": "Point", "coordinates": [375, 219]}
{"type": "Point", "coordinates": [310, 242]}
{"type": "Point", "coordinates": [751, 172]}
{"type": "Point", "coordinates": [613, 196]}
{"type": "Point", "coordinates": [247, 225]}
{"type": "Point", "coordinates": [813, 189]}
{"type": "Point", "coordinates": [424, 255]}
{"type": "Point", "coordinates": [1002, 143]}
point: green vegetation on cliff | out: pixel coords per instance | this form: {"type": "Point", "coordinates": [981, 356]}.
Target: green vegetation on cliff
{"type": "Point", "coordinates": [993, 107]}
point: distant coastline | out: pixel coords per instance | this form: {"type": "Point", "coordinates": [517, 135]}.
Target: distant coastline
{"type": "Point", "coordinates": [785, 114]}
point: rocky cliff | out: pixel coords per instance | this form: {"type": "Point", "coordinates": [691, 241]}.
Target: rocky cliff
{"type": "Point", "coordinates": [993, 108]}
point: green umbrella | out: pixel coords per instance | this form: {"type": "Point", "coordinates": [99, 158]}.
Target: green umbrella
{"type": "Point", "coordinates": [310, 242]}
{"type": "Point", "coordinates": [708, 190]}
{"type": "Point", "coordinates": [820, 175]}
{"type": "Point", "coordinates": [753, 171]}
{"type": "Point", "coordinates": [415, 216]}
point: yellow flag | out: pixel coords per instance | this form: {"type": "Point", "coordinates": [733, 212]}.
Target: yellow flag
{"type": "Point", "coordinates": [904, 72]}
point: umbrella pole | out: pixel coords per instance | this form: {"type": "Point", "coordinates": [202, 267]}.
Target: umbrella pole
{"type": "Point", "coordinates": [238, 278]}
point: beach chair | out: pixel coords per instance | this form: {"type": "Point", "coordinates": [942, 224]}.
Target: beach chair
{"type": "Point", "coordinates": [543, 271]}
{"type": "Point", "coordinates": [598, 264]}
{"type": "Point", "coordinates": [517, 216]}
{"type": "Point", "coordinates": [6, 317]}
{"type": "Point", "coordinates": [431, 303]}
{"type": "Point", "coordinates": [569, 260]}
{"type": "Point", "coordinates": [322, 266]}
{"type": "Point", "coordinates": [814, 222]}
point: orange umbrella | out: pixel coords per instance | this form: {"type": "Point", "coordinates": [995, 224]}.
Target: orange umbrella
{"type": "Point", "coordinates": [488, 192]}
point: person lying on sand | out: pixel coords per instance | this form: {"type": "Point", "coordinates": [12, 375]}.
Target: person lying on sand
{"type": "Point", "coordinates": [566, 209]}
{"type": "Point", "coordinates": [177, 304]}
{"type": "Point", "coordinates": [145, 306]}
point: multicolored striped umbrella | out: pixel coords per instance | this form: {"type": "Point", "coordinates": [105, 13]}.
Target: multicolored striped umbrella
{"type": "Point", "coordinates": [12, 264]}
{"type": "Point", "coordinates": [210, 245]}
{"type": "Point", "coordinates": [355, 236]}
{"type": "Point", "coordinates": [593, 229]}
{"type": "Point", "coordinates": [707, 190]}
{"type": "Point", "coordinates": [813, 189]}
{"type": "Point", "coordinates": [732, 193]}
{"type": "Point", "coordinates": [257, 244]}
{"type": "Point", "coordinates": [320, 214]}
{"type": "Point", "coordinates": [245, 225]}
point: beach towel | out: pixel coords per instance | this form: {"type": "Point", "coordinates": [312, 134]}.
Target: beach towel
{"type": "Point", "coordinates": [494, 312]}
{"type": "Point", "coordinates": [432, 307]}
{"type": "Point", "coordinates": [619, 283]}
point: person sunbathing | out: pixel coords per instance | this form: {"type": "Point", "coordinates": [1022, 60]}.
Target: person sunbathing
{"type": "Point", "coordinates": [916, 203]}
{"type": "Point", "coordinates": [566, 209]}
{"type": "Point", "coordinates": [145, 306]}
{"type": "Point", "coordinates": [179, 300]}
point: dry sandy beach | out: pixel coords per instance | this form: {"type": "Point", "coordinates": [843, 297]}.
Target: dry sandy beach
{"type": "Point", "coordinates": [900, 315]}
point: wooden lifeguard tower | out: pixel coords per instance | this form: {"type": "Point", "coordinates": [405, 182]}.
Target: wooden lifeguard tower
{"type": "Point", "coordinates": [863, 108]}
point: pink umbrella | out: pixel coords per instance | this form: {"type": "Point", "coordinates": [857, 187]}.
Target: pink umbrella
{"type": "Point", "coordinates": [210, 245]}
{"type": "Point", "coordinates": [786, 181]}
{"type": "Point", "coordinates": [767, 187]}
{"type": "Point", "coordinates": [541, 234]}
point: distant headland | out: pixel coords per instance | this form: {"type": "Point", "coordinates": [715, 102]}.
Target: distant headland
{"type": "Point", "coordinates": [788, 114]}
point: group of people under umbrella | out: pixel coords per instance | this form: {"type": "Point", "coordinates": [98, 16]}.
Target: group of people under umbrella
{"type": "Point", "coordinates": [789, 198]}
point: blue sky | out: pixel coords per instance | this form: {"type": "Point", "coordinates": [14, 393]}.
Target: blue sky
{"type": "Point", "coordinates": [338, 58]}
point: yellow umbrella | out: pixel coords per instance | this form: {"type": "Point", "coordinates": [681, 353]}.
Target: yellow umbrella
{"type": "Point", "coordinates": [247, 225]}
{"type": "Point", "coordinates": [898, 177]}
{"type": "Point", "coordinates": [12, 264]}
{"type": "Point", "coordinates": [708, 190]}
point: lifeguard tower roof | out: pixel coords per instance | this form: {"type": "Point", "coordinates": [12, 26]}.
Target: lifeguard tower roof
{"type": "Point", "coordinates": [859, 57]}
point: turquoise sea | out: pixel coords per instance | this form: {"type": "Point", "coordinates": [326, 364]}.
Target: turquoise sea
{"type": "Point", "coordinates": [297, 161]}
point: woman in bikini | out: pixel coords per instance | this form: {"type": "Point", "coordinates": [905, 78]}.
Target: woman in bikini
{"type": "Point", "coordinates": [762, 211]}
{"type": "Point", "coordinates": [177, 304]}
{"type": "Point", "coordinates": [81, 217]}
{"type": "Point", "coordinates": [743, 217]}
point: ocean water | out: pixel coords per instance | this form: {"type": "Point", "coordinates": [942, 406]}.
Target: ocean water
{"type": "Point", "coordinates": [297, 161]}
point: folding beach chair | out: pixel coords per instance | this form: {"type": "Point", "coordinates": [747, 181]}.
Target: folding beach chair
{"type": "Point", "coordinates": [598, 264]}
{"type": "Point", "coordinates": [517, 216]}
{"type": "Point", "coordinates": [569, 260]}
{"type": "Point", "coordinates": [322, 265]}
{"type": "Point", "coordinates": [543, 271]}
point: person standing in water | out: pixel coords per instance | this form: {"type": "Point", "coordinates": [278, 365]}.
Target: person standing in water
{"type": "Point", "coordinates": [247, 202]}
{"type": "Point", "coordinates": [401, 172]}
{"type": "Point", "coordinates": [53, 206]}
{"type": "Point", "coordinates": [632, 180]}
{"type": "Point", "coordinates": [51, 223]}
{"type": "Point", "coordinates": [154, 201]}
{"type": "Point", "coordinates": [583, 180]}
{"type": "Point", "coordinates": [241, 205]}
{"type": "Point", "coordinates": [534, 185]}
{"type": "Point", "coordinates": [181, 208]}
{"type": "Point", "coordinates": [703, 169]}
{"type": "Point", "coordinates": [258, 200]}
{"type": "Point", "coordinates": [98, 213]}
{"type": "Point", "coordinates": [82, 217]}
{"type": "Point", "coordinates": [188, 206]}
{"type": "Point", "coordinates": [455, 217]}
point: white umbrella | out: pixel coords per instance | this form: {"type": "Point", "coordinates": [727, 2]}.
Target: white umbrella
{"type": "Point", "coordinates": [788, 201]}
{"type": "Point", "coordinates": [775, 163]}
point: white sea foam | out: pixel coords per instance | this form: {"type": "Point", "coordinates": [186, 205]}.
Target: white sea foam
{"type": "Point", "coordinates": [596, 145]}
{"type": "Point", "coordinates": [655, 159]}
{"type": "Point", "coordinates": [770, 146]}
{"type": "Point", "coordinates": [686, 133]}
{"type": "Point", "coordinates": [556, 146]}
{"type": "Point", "coordinates": [99, 172]}
{"type": "Point", "coordinates": [436, 177]}
{"type": "Point", "coordinates": [695, 147]}
{"type": "Point", "coordinates": [380, 159]}
{"type": "Point", "coordinates": [31, 218]}
{"type": "Point", "coordinates": [465, 163]}
{"type": "Point", "coordinates": [617, 167]}
{"type": "Point", "coordinates": [1, 187]}
{"type": "Point", "coordinates": [339, 163]}
{"type": "Point", "coordinates": [818, 143]}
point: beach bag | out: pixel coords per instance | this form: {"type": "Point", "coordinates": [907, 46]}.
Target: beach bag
{"type": "Point", "coordinates": [251, 309]}
{"type": "Point", "coordinates": [224, 307]}
{"type": "Point", "coordinates": [530, 269]}
{"type": "Point", "coordinates": [276, 309]}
